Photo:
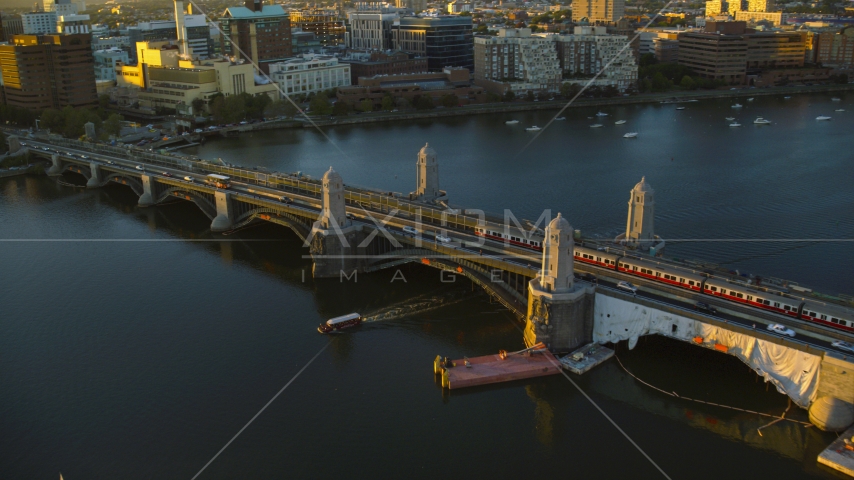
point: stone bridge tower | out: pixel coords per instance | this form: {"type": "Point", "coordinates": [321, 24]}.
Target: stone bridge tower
{"type": "Point", "coordinates": [427, 176]}
{"type": "Point", "coordinates": [334, 239]}
{"type": "Point", "coordinates": [639, 226]}
{"type": "Point", "coordinates": [560, 311]}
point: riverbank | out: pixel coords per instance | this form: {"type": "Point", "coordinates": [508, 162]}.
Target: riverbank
{"type": "Point", "coordinates": [492, 108]}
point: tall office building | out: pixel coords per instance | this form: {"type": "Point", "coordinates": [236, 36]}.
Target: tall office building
{"type": "Point", "coordinates": [38, 23]}
{"type": "Point", "coordinates": [49, 71]}
{"type": "Point", "coordinates": [589, 50]}
{"type": "Point", "coordinates": [370, 30]}
{"type": "Point", "coordinates": [257, 32]}
{"type": "Point", "coordinates": [598, 10]}
{"type": "Point", "coordinates": [324, 24]}
{"type": "Point", "coordinates": [198, 33]}
{"type": "Point", "coordinates": [715, 7]}
{"type": "Point", "coordinates": [516, 58]}
{"type": "Point", "coordinates": [760, 5]}
{"type": "Point", "coordinates": [446, 41]}
{"type": "Point", "coordinates": [12, 25]}
{"type": "Point", "coordinates": [71, 24]}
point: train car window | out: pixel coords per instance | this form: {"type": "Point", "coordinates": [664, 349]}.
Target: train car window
{"type": "Point", "coordinates": [657, 274]}
{"type": "Point", "coordinates": [823, 317]}
{"type": "Point", "coordinates": [691, 282]}
{"type": "Point", "coordinates": [635, 268]}
{"type": "Point", "coordinates": [834, 320]}
{"type": "Point", "coordinates": [777, 304]}
{"type": "Point", "coordinates": [714, 289]}
{"type": "Point", "coordinates": [767, 302]}
{"type": "Point", "coordinates": [785, 307]}
{"type": "Point", "coordinates": [843, 322]}
{"type": "Point", "coordinates": [740, 295]}
{"type": "Point", "coordinates": [681, 280]}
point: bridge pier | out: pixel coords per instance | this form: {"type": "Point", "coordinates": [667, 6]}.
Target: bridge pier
{"type": "Point", "coordinates": [224, 220]}
{"type": "Point", "coordinates": [14, 143]}
{"type": "Point", "coordinates": [56, 166]}
{"type": "Point", "coordinates": [95, 178]}
{"type": "Point", "coordinates": [833, 408]}
{"type": "Point", "coordinates": [334, 240]}
{"type": "Point", "coordinates": [147, 197]}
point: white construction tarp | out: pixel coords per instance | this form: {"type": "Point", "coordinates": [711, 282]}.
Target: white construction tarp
{"type": "Point", "coordinates": [793, 372]}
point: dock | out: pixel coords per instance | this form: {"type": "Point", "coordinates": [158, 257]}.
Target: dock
{"type": "Point", "coordinates": [586, 357]}
{"type": "Point", "coordinates": [839, 455]}
{"type": "Point", "coordinates": [534, 362]}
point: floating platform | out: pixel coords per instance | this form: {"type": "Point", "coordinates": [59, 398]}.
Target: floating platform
{"type": "Point", "coordinates": [536, 361]}
{"type": "Point", "coordinates": [839, 455]}
{"type": "Point", "coordinates": [585, 358]}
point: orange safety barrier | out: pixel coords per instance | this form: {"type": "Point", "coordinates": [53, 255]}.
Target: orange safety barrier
{"type": "Point", "coordinates": [459, 269]}
{"type": "Point", "coordinates": [698, 340]}
{"type": "Point", "coordinates": [722, 348]}
{"type": "Point", "coordinates": [425, 261]}
{"type": "Point", "coordinates": [265, 217]}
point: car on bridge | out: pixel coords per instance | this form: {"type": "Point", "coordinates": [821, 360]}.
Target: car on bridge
{"type": "Point", "coordinates": [628, 287]}
{"type": "Point", "coordinates": [188, 178]}
{"type": "Point", "coordinates": [139, 167]}
{"type": "Point", "coordinates": [705, 307]}
{"type": "Point", "coordinates": [777, 328]}
{"type": "Point", "coordinates": [843, 346]}
{"type": "Point", "coordinates": [443, 238]}
{"type": "Point", "coordinates": [166, 174]}
{"type": "Point", "coordinates": [410, 230]}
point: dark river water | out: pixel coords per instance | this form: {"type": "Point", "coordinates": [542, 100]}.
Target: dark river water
{"type": "Point", "coordinates": [134, 343]}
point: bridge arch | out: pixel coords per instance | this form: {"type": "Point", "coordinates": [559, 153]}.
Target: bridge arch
{"type": "Point", "coordinates": [301, 226]}
{"type": "Point", "coordinates": [205, 205]}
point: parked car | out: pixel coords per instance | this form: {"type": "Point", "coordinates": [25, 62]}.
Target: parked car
{"type": "Point", "coordinates": [140, 167]}
{"type": "Point", "coordinates": [705, 307]}
{"type": "Point", "coordinates": [86, 156]}
{"type": "Point", "coordinates": [843, 346]}
{"type": "Point", "coordinates": [628, 287]}
{"type": "Point", "coordinates": [410, 230]}
{"type": "Point", "coordinates": [777, 328]}
{"type": "Point", "coordinates": [188, 178]}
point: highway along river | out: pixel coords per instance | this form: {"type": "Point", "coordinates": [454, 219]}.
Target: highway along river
{"type": "Point", "coordinates": [142, 355]}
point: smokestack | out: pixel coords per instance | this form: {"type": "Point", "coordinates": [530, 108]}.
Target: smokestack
{"type": "Point", "coordinates": [182, 30]}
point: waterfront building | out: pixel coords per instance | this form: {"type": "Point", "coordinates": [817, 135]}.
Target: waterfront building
{"type": "Point", "coordinates": [445, 40]}
{"type": "Point", "coordinates": [770, 50]}
{"type": "Point", "coordinates": [198, 34]}
{"type": "Point", "coordinates": [589, 49]}
{"type": "Point", "coordinates": [760, 5]}
{"type": "Point", "coordinates": [326, 26]}
{"type": "Point", "coordinates": [714, 56]}
{"type": "Point", "coordinates": [370, 30]}
{"type": "Point", "coordinates": [369, 64]}
{"type": "Point", "coordinates": [258, 33]}
{"type": "Point", "coordinates": [48, 71]}
{"type": "Point", "coordinates": [516, 61]}
{"type": "Point", "coordinates": [836, 48]}
{"type": "Point", "coordinates": [106, 62]}
{"type": "Point", "coordinates": [409, 87]}
{"type": "Point", "coordinates": [598, 10]}
{"type": "Point", "coordinates": [38, 23]}
{"type": "Point", "coordinates": [310, 74]}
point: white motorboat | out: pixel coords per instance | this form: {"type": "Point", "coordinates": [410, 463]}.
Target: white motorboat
{"type": "Point", "coordinates": [680, 108]}
{"type": "Point", "coordinates": [729, 119]}
{"type": "Point", "coordinates": [822, 117]}
{"type": "Point", "coordinates": [596, 125]}
{"type": "Point", "coordinates": [836, 99]}
{"type": "Point", "coordinates": [619, 122]}
{"type": "Point", "coordinates": [560, 118]}
{"type": "Point", "coordinates": [750, 99]}
{"type": "Point", "coordinates": [631, 135]}
{"type": "Point", "coordinates": [533, 129]}
{"type": "Point", "coordinates": [786, 97]}
{"type": "Point", "coordinates": [737, 105]}
{"type": "Point", "coordinates": [601, 114]}
{"type": "Point", "coordinates": [511, 122]}
{"type": "Point", "coordinates": [761, 121]}
{"type": "Point", "coordinates": [840, 110]}
{"type": "Point", "coordinates": [734, 124]}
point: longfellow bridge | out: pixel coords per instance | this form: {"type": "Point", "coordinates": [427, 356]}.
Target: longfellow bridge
{"type": "Point", "coordinates": [350, 230]}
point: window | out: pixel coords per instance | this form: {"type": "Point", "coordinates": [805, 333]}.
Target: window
{"type": "Point", "coordinates": [785, 307]}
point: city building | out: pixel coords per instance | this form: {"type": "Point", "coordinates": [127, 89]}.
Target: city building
{"type": "Point", "coordinates": [370, 30]}
{"type": "Point", "coordinates": [598, 10]}
{"type": "Point", "coordinates": [176, 88]}
{"type": "Point", "coordinates": [198, 34]}
{"type": "Point", "coordinates": [106, 62]}
{"type": "Point", "coordinates": [38, 23]}
{"type": "Point", "coordinates": [715, 7]}
{"type": "Point", "coordinates": [774, 18]}
{"type": "Point", "coordinates": [305, 42]}
{"type": "Point", "coordinates": [459, 7]}
{"type": "Point", "coordinates": [408, 88]}
{"type": "Point", "coordinates": [310, 74]}
{"type": "Point", "coordinates": [370, 64]}
{"type": "Point", "coordinates": [148, 54]}
{"type": "Point", "coordinates": [590, 49]}
{"type": "Point", "coordinates": [48, 71]}
{"type": "Point", "coordinates": [258, 33]}
{"type": "Point", "coordinates": [74, 23]}
{"type": "Point", "coordinates": [414, 6]}
{"type": "Point", "coordinates": [726, 52]}
{"type": "Point", "coordinates": [760, 5]}
{"type": "Point", "coordinates": [11, 25]}
{"type": "Point", "coordinates": [326, 26]}
{"type": "Point", "coordinates": [445, 40]}
{"type": "Point", "coordinates": [836, 48]}
{"type": "Point", "coordinates": [516, 61]}
{"type": "Point", "coordinates": [734, 6]}
{"type": "Point", "coordinates": [63, 7]}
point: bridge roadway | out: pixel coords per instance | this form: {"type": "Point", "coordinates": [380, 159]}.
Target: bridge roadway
{"type": "Point", "coordinates": [369, 208]}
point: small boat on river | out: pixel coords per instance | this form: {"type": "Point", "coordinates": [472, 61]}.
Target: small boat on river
{"type": "Point", "coordinates": [337, 323]}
